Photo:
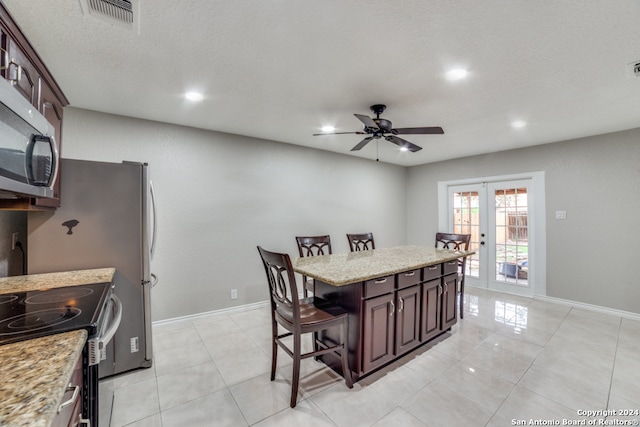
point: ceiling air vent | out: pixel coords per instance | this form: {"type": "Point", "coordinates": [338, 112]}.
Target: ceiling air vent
{"type": "Point", "coordinates": [123, 13]}
{"type": "Point", "coordinates": [120, 10]}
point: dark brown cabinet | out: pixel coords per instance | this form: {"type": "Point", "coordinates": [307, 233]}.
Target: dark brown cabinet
{"type": "Point", "coordinates": [379, 331]}
{"type": "Point", "coordinates": [70, 410]}
{"type": "Point", "coordinates": [21, 65]}
{"type": "Point", "coordinates": [392, 315]}
{"type": "Point", "coordinates": [431, 312]}
{"type": "Point", "coordinates": [407, 319]}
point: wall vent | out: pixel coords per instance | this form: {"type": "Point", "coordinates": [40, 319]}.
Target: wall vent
{"type": "Point", "coordinates": [123, 13]}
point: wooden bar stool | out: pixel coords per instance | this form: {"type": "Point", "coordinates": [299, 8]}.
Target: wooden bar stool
{"type": "Point", "coordinates": [457, 242]}
{"type": "Point", "coordinates": [361, 242]}
{"type": "Point", "coordinates": [312, 246]}
{"type": "Point", "coordinates": [300, 316]}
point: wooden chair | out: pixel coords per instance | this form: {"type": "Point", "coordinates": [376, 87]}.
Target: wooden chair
{"type": "Point", "coordinates": [361, 242]}
{"type": "Point", "coordinates": [300, 316]}
{"type": "Point", "coordinates": [458, 242]}
{"type": "Point", "coordinates": [312, 246]}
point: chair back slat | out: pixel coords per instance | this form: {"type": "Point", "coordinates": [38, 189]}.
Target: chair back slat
{"type": "Point", "coordinates": [458, 242]}
{"type": "Point", "coordinates": [361, 242]}
{"type": "Point", "coordinates": [313, 245]}
{"type": "Point", "coordinates": [283, 289]}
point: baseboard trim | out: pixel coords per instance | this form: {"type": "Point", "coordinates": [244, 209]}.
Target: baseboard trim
{"type": "Point", "coordinates": [591, 307]}
{"type": "Point", "coordinates": [236, 309]}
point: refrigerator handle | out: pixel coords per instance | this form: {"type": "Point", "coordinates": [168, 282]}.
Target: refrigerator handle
{"type": "Point", "coordinates": [155, 219]}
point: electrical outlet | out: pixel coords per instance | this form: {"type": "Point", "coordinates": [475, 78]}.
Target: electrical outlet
{"type": "Point", "coordinates": [14, 240]}
{"type": "Point", "coordinates": [234, 294]}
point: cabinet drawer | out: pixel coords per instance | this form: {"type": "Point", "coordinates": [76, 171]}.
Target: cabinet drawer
{"type": "Point", "coordinates": [408, 278]}
{"type": "Point", "coordinates": [450, 267]}
{"type": "Point", "coordinates": [431, 272]}
{"type": "Point", "coordinates": [379, 286]}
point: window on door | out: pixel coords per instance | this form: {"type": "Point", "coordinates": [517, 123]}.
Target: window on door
{"type": "Point", "coordinates": [466, 220]}
{"type": "Point", "coordinates": [511, 235]}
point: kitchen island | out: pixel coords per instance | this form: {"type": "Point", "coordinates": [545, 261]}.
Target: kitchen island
{"type": "Point", "coordinates": [397, 299]}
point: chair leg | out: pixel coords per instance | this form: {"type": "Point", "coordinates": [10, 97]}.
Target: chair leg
{"type": "Point", "coordinates": [295, 380]}
{"type": "Point", "coordinates": [274, 349]}
{"type": "Point", "coordinates": [344, 353]}
{"type": "Point", "coordinates": [462, 298]}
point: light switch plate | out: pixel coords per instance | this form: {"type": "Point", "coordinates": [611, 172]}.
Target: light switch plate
{"type": "Point", "coordinates": [561, 214]}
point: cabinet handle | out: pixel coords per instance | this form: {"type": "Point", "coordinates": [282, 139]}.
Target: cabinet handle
{"type": "Point", "coordinates": [380, 281]}
{"type": "Point", "coordinates": [393, 308]}
{"type": "Point", "coordinates": [433, 267]}
{"type": "Point", "coordinates": [446, 287]}
{"type": "Point", "coordinates": [84, 421]}
{"type": "Point", "coordinates": [76, 390]}
{"type": "Point", "coordinates": [413, 273]}
{"type": "Point", "coordinates": [401, 305]}
{"type": "Point", "coordinates": [452, 262]}
{"type": "Point", "coordinates": [439, 289]}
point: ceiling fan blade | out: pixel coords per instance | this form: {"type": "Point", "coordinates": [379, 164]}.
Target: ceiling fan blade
{"type": "Point", "coordinates": [435, 130]}
{"type": "Point", "coordinates": [368, 121]}
{"type": "Point", "coordinates": [340, 133]}
{"type": "Point", "coordinates": [362, 144]}
{"type": "Point", "coordinates": [403, 143]}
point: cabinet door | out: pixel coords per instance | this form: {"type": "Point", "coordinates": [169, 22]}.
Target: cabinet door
{"type": "Point", "coordinates": [449, 294]}
{"type": "Point", "coordinates": [378, 328]}
{"type": "Point", "coordinates": [22, 74]}
{"type": "Point", "coordinates": [51, 109]}
{"type": "Point", "coordinates": [407, 319]}
{"type": "Point", "coordinates": [431, 302]}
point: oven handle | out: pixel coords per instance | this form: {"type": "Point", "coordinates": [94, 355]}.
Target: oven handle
{"type": "Point", "coordinates": [117, 317]}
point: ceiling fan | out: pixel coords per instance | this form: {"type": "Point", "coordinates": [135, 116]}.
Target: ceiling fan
{"type": "Point", "coordinates": [382, 128]}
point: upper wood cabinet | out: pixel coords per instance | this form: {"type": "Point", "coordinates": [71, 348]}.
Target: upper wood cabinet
{"type": "Point", "coordinates": [20, 64]}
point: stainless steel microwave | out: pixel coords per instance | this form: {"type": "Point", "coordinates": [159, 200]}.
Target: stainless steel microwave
{"type": "Point", "coordinates": [28, 153]}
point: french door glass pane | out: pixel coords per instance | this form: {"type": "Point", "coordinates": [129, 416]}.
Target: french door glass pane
{"type": "Point", "coordinates": [466, 220]}
{"type": "Point", "coordinates": [512, 236]}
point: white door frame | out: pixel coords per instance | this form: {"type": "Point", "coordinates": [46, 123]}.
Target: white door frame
{"type": "Point", "coordinates": [537, 206]}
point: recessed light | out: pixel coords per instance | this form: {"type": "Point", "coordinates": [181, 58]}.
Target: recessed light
{"type": "Point", "coordinates": [404, 149]}
{"type": "Point", "coordinates": [456, 74]}
{"type": "Point", "coordinates": [328, 128]}
{"type": "Point", "coordinates": [518, 124]}
{"type": "Point", "coordinates": [194, 96]}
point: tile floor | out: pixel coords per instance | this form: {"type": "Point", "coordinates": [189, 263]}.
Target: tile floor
{"type": "Point", "coordinates": [511, 360]}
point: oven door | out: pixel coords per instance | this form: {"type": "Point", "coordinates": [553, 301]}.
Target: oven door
{"type": "Point", "coordinates": [112, 316]}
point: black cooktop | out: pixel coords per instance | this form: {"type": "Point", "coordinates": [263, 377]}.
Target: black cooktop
{"type": "Point", "coordinates": [33, 314]}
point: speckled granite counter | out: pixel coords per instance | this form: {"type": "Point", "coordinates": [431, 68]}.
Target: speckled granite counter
{"type": "Point", "coordinates": [35, 374]}
{"type": "Point", "coordinates": [344, 269]}
{"type": "Point", "coordinates": [34, 282]}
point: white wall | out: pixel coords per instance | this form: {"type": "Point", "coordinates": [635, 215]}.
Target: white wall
{"type": "Point", "coordinates": [591, 256]}
{"type": "Point", "coordinates": [220, 195]}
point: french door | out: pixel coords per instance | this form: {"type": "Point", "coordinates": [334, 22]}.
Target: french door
{"type": "Point", "coordinates": [501, 217]}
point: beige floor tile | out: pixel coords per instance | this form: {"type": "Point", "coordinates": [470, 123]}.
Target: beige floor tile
{"type": "Point", "coordinates": [217, 409]}
{"type": "Point", "coordinates": [510, 358]}
{"type": "Point", "coordinates": [441, 406]}
{"type": "Point", "coordinates": [187, 384]}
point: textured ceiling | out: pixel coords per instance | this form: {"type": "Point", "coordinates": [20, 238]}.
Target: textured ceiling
{"type": "Point", "coordinates": [279, 69]}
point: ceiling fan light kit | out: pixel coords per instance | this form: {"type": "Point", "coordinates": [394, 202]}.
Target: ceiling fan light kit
{"type": "Point", "coordinates": [378, 128]}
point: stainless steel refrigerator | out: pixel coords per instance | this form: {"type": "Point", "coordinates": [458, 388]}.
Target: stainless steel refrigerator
{"type": "Point", "coordinates": [106, 219]}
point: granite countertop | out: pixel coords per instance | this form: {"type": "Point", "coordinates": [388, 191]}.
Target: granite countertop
{"type": "Point", "coordinates": [34, 282]}
{"type": "Point", "coordinates": [344, 269]}
{"type": "Point", "coordinates": [35, 375]}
